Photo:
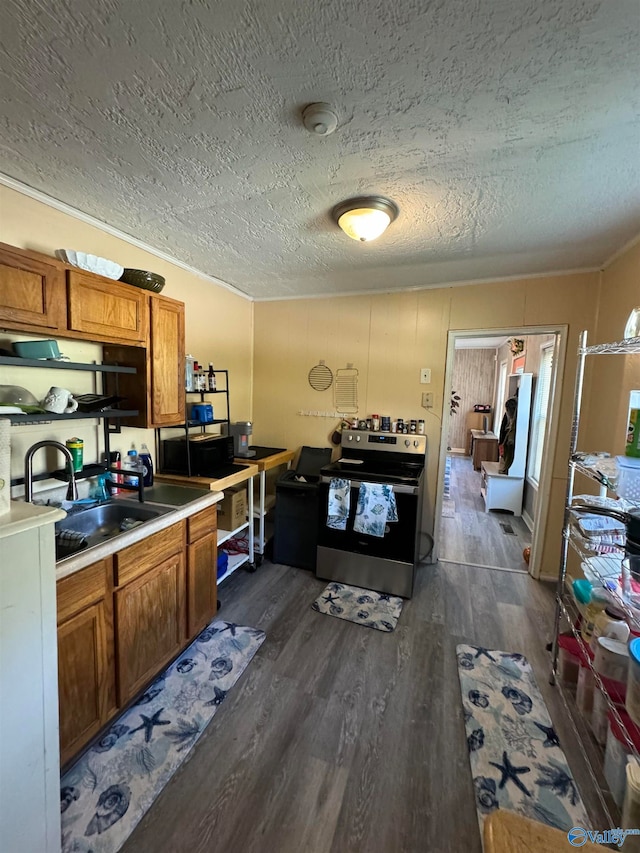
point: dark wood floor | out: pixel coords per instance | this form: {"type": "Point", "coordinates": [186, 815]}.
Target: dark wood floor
{"type": "Point", "coordinates": [342, 739]}
{"type": "Point", "coordinates": [472, 536]}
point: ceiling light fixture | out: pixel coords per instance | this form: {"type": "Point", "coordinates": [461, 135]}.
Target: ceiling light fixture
{"type": "Point", "coordinates": [365, 218]}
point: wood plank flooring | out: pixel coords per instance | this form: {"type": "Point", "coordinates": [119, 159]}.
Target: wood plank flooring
{"type": "Point", "coordinates": [342, 739]}
{"type": "Point", "coordinates": [472, 536]}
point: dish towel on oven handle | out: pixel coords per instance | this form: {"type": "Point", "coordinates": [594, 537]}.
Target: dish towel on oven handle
{"type": "Point", "coordinates": [338, 504]}
{"type": "Point", "coordinates": [376, 507]}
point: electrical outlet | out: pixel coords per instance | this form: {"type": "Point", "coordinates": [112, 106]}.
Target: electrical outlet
{"type": "Point", "coordinates": [427, 401]}
{"type": "Point", "coordinates": [425, 376]}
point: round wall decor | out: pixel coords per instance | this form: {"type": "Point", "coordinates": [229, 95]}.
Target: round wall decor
{"type": "Point", "coordinates": [320, 377]}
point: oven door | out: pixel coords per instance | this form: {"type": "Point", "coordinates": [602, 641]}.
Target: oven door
{"type": "Point", "coordinates": [399, 542]}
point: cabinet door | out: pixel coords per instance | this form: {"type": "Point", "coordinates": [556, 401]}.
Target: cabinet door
{"type": "Point", "coordinates": [167, 362]}
{"type": "Point", "coordinates": [157, 388]}
{"type": "Point", "coordinates": [86, 679]}
{"type": "Point", "coordinates": [202, 594]}
{"type": "Point", "coordinates": [150, 624]}
{"type": "Point", "coordinates": [32, 293]}
{"type": "Point", "coordinates": [105, 310]}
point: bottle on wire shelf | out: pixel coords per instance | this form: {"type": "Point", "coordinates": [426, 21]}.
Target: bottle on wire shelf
{"type": "Point", "coordinates": [211, 378]}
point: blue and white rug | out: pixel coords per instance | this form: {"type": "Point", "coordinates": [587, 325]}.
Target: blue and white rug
{"type": "Point", "coordinates": [362, 606]}
{"type": "Point", "coordinates": [110, 788]}
{"type": "Point", "coordinates": [516, 759]}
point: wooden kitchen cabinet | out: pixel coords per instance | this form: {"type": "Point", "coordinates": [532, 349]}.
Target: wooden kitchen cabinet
{"type": "Point", "coordinates": [202, 563]}
{"type": "Point", "coordinates": [157, 388]}
{"type": "Point", "coordinates": [86, 674]}
{"type": "Point", "coordinates": [32, 292]}
{"type": "Point", "coordinates": [150, 608]}
{"type": "Point", "coordinates": [106, 310]}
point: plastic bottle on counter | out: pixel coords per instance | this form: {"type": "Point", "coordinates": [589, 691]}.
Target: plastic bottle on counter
{"type": "Point", "coordinates": [146, 463]}
{"type": "Point", "coordinates": [189, 371]}
{"type": "Point", "coordinates": [421, 427]}
{"type": "Point", "coordinates": [115, 461]}
{"type": "Point", "coordinates": [131, 464]}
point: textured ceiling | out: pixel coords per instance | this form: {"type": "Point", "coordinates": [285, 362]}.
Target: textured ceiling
{"type": "Point", "coordinates": [507, 131]}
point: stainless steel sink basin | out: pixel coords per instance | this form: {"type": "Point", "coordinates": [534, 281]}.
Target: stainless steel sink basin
{"type": "Point", "coordinates": [101, 523]}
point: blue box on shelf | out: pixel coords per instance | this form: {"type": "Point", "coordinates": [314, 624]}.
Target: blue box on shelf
{"type": "Point", "coordinates": [223, 563]}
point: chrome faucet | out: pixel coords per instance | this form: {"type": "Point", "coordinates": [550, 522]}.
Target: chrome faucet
{"type": "Point", "coordinates": [72, 490]}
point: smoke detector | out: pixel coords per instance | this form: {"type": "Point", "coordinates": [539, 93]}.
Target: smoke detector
{"type": "Point", "coordinates": [319, 119]}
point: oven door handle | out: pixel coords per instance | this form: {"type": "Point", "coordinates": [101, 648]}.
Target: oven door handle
{"type": "Point", "coordinates": [398, 488]}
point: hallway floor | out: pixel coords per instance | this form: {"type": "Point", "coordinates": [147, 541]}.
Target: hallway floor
{"type": "Point", "coordinates": [341, 738]}
{"type": "Point", "coordinates": [472, 536]}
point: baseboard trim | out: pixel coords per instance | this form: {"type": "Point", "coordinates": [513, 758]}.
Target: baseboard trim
{"type": "Point", "coordinates": [481, 566]}
{"type": "Point", "coordinates": [527, 520]}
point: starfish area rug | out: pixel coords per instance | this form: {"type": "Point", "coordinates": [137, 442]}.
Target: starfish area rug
{"type": "Point", "coordinates": [362, 606]}
{"type": "Point", "coordinates": [106, 793]}
{"type": "Point", "coordinates": [516, 759]}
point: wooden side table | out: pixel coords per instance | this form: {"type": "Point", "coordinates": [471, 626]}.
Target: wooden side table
{"type": "Point", "coordinates": [484, 447]}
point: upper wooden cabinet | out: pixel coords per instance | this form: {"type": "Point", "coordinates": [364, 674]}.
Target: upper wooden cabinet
{"type": "Point", "coordinates": [167, 360]}
{"type": "Point", "coordinates": [157, 388]}
{"type": "Point", "coordinates": [32, 292]}
{"type": "Point", "coordinates": [106, 310]}
{"type": "Point", "coordinates": [41, 294]}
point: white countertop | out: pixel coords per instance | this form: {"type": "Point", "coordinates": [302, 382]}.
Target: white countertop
{"type": "Point", "coordinates": [27, 516]}
{"type": "Point", "coordinates": [84, 558]}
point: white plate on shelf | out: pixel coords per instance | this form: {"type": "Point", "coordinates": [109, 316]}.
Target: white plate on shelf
{"type": "Point", "coordinates": [91, 263]}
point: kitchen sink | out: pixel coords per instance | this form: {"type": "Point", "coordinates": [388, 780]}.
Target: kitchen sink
{"type": "Point", "coordinates": [91, 527]}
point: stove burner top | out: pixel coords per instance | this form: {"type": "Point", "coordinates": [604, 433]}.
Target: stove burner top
{"type": "Point", "coordinates": [378, 471]}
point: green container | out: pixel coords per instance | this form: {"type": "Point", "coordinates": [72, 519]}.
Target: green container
{"type": "Point", "coordinates": [633, 430]}
{"type": "Point", "coordinates": [76, 448]}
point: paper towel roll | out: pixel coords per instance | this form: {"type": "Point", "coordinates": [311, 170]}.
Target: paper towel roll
{"type": "Point", "coordinates": [5, 465]}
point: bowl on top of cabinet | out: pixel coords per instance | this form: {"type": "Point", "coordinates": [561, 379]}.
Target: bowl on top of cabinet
{"type": "Point", "coordinates": [144, 279]}
{"type": "Point", "coordinates": [90, 263]}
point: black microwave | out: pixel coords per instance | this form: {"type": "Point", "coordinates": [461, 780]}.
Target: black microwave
{"type": "Point", "coordinates": [208, 455]}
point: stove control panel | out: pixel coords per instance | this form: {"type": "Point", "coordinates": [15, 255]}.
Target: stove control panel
{"type": "Point", "coordinates": [384, 441]}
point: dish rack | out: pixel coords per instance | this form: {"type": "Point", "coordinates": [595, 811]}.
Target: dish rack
{"type": "Point", "coordinates": [602, 567]}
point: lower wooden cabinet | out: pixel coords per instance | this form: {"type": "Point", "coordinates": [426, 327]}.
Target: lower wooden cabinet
{"type": "Point", "coordinates": [150, 610]}
{"type": "Point", "coordinates": [202, 562]}
{"type": "Point", "coordinates": [86, 675]}
{"type": "Point", "coordinates": [121, 620]}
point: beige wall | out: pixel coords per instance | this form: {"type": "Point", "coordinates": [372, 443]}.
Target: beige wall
{"type": "Point", "coordinates": [388, 338]}
{"type": "Point", "coordinates": [219, 323]}
{"type": "Point", "coordinates": [609, 379]}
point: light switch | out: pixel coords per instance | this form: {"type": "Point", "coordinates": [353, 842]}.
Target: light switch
{"type": "Point", "coordinates": [425, 376]}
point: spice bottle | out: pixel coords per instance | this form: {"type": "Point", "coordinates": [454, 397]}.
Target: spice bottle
{"type": "Point", "coordinates": [375, 422]}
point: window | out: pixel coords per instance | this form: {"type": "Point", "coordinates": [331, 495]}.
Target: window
{"type": "Point", "coordinates": [539, 420]}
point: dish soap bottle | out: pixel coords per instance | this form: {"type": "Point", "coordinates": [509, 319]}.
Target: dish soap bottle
{"type": "Point", "coordinates": [146, 463]}
{"type": "Point", "coordinates": [131, 464]}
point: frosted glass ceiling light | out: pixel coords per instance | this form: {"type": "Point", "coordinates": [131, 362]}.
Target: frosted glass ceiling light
{"type": "Point", "coordinates": [365, 218]}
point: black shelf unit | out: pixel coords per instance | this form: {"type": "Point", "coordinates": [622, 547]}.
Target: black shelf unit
{"type": "Point", "coordinates": [191, 424]}
{"type": "Point", "coordinates": [53, 364]}
{"type": "Point", "coordinates": [110, 417]}
{"type": "Point", "coordinates": [46, 417]}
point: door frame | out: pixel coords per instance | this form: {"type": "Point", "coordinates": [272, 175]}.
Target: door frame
{"type": "Point", "coordinates": [561, 332]}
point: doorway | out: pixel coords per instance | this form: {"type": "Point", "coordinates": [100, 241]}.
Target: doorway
{"type": "Point", "coordinates": [484, 368]}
